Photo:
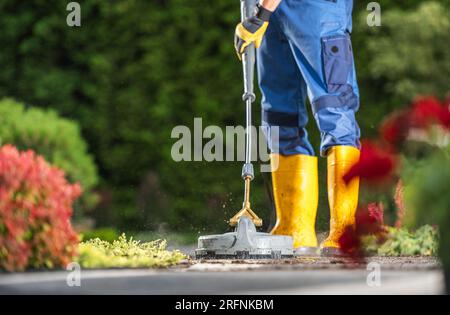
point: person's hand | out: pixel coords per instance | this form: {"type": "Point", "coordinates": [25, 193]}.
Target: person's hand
{"type": "Point", "coordinates": [251, 30]}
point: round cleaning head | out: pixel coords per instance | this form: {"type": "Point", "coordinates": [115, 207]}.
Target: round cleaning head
{"type": "Point", "coordinates": [244, 243]}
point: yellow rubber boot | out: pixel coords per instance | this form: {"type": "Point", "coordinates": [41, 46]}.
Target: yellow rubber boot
{"type": "Point", "coordinates": [342, 197]}
{"type": "Point", "coordinates": [296, 195]}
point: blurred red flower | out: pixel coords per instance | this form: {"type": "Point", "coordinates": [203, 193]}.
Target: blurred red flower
{"type": "Point", "coordinates": [369, 221]}
{"type": "Point", "coordinates": [350, 242]}
{"type": "Point", "coordinates": [374, 165]}
{"type": "Point", "coordinates": [424, 111]}
{"type": "Point", "coordinates": [394, 130]}
{"type": "Point", "coordinates": [427, 110]}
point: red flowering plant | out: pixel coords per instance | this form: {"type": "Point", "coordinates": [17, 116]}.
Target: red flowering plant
{"type": "Point", "coordinates": [375, 165]}
{"type": "Point", "coordinates": [429, 110]}
{"type": "Point", "coordinates": [425, 125]}
{"type": "Point", "coordinates": [369, 223]}
{"type": "Point", "coordinates": [427, 120]}
{"type": "Point", "coordinates": [35, 210]}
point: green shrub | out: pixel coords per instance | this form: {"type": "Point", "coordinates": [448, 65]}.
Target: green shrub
{"type": "Point", "coordinates": [123, 253]}
{"type": "Point", "coordinates": [401, 242]}
{"type": "Point", "coordinates": [57, 139]}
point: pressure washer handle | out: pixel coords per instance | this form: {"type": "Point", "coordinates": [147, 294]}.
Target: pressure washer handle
{"type": "Point", "coordinates": [248, 57]}
{"type": "Point", "coordinates": [248, 68]}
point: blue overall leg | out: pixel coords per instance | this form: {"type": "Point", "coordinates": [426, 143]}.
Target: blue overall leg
{"type": "Point", "coordinates": [283, 95]}
{"type": "Point", "coordinates": [307, 51]}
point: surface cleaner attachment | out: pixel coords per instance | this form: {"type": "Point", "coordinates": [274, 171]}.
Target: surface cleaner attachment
{"type": "Point", "coordinates": [245, 242]}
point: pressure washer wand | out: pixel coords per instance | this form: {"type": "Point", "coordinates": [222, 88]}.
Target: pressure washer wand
{"type": "Point", "coordinates": [248, 67]}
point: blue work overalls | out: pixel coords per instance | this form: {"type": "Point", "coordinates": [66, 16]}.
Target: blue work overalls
{"type": "Point", "coordinates": [307, 51]}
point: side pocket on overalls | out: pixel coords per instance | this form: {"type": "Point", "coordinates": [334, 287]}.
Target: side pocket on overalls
{"type": "Point", "coordinates": [337, 56]}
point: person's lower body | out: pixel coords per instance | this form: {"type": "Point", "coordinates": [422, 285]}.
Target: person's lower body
{"type": "Point", "coordinates": [306, 52]}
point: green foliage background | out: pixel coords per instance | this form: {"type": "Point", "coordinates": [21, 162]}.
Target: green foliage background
{"type": "Point", "coordinates": [135, 69]}
{"type": "Point", "coordinates": [427, 194]}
